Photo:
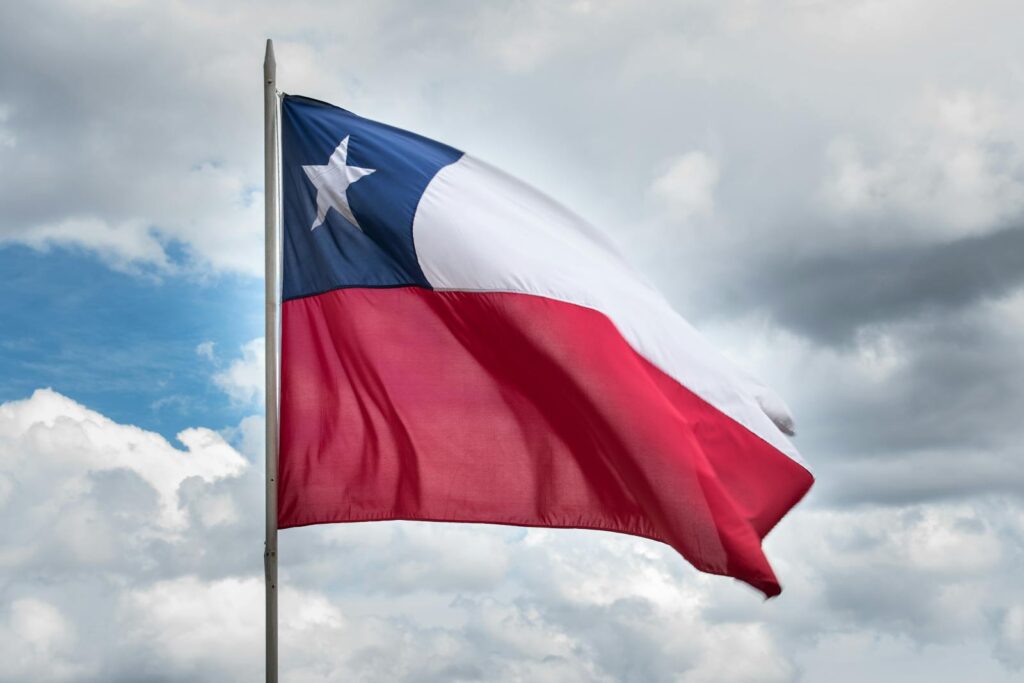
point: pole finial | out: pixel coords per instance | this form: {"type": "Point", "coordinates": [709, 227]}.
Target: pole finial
{"type": "Point", "coordinates": [269, 63]}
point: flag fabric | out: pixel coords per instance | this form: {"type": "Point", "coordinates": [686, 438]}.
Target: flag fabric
{"type": "Point", "coordinates": [457, 347]}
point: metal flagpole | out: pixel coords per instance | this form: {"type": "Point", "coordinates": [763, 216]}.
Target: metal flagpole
{"type": "Point", "coordinates": [270, 194]}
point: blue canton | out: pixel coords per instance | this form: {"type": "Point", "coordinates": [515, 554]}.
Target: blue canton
{"type": "Point", "coordinates": [379, 251]}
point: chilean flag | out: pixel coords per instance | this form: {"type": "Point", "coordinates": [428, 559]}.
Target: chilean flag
{"type": "Point", "coordinates": [457, 347]}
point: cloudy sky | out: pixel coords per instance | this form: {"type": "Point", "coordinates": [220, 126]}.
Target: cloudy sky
{"type": "Point", "coordinates": [832, 191]}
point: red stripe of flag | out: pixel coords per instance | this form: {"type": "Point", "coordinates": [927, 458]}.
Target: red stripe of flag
{"type": "Point", "coordinates": [515, 409]}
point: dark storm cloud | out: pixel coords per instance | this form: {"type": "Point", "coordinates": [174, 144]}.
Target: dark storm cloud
{"type": "Point", "coordinates": [955, 386]}
{"type": "Point", "coordinates": [905, 376]}
{"type": "Point", "coordinates": [924, 477]}
{"type": "Point", "coordinates": [939, 422]}
{"type": "Point", "coordinates": [938, 419]}
{"type": "Point", "coordinates": [830, 298]}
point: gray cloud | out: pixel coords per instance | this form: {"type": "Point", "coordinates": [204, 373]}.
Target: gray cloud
{"type": "Point", "coordinates": [832, 297]}
{"type": "Point", "coordinates": [415, 602]}
{"type": "Point", "coordinates": [833, 190]}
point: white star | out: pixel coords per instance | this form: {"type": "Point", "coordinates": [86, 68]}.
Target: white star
{"type": "Point", "coordinates": [331, 182]}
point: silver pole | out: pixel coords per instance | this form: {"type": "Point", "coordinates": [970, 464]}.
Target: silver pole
{"type": "Point", "coordinates": [270, 194]}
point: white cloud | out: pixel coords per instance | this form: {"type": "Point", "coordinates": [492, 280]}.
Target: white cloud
{"type": "Point", "coordinates": [37, 643]}
{"type": "Point", "coordinates": [205, 349]}
{"type": "Point", "coordinates": [835, 128]}
{"type": "Point", "coordinates": [860, 22]}
{"type": "Point", "coordinates": [687, 187]}
{"type": "Point", "coordinates": [244, 378]}
{"type": "Point", "coordinates": [49, 437]}
{"type": "Point", "coordinates": [953, 169]}
{"type": "Point", "coordinates": [143, 171]}
{"type": "Point", "coordinates": [1010, 648]}
{"type": "Point", "coordinates": [429, 602]}
{"type": "Point", "coordinates": [125, 245]}
{"type": "Point", "coordinates": [191, 624]}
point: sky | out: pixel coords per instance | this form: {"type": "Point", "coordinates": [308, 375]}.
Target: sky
{"type": "Point", "coordinates": [832, 192]}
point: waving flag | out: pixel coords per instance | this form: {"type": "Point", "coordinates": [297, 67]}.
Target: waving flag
{"type": "Point", "coordinates": [455, 346]}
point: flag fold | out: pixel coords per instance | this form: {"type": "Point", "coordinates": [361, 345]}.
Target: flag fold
{"type": "Point", "coordinates": [457, 347]}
